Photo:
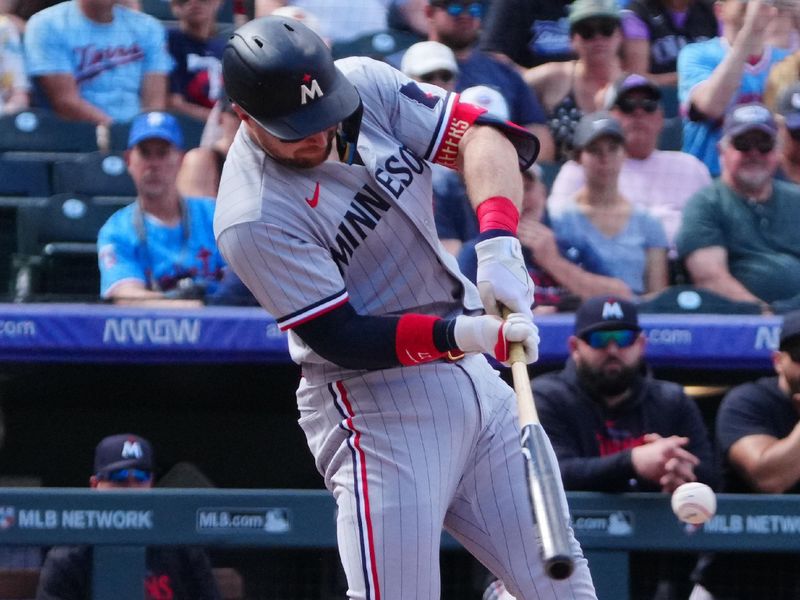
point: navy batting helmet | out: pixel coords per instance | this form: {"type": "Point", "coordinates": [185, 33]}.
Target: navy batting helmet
{"type": "Point", "coordinates": [282, 74]}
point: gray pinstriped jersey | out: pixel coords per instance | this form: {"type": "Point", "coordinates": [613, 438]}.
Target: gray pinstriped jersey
{"type": "Point", "coordinates": [370, 239]}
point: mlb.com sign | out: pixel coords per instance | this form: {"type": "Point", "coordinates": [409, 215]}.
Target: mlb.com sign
{"type": "Point", "coordinates": [161, 331]}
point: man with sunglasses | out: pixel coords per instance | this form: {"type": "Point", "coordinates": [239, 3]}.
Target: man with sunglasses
{"type": "Point", "coordinates": [126, 461]}
{"type": "Point", "coordinates": [738, 237]}
{"type": "Point", "coordinates": [614, 428]}
{"type": "Point", "coordinates": [662, 181]}
{"type": "Point", "coordinates": [457, 24]}
{"type": "Point", "coordinates": [758, 437]}
{"type": "Point", "coordinates": [724, 71]}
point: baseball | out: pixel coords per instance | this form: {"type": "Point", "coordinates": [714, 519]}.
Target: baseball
{"type": "Point", "coordinates": [694, 502]}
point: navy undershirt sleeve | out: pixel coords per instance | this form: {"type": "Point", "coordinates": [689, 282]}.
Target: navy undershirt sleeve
{"type": "Point", "coordinates": [355, 341]}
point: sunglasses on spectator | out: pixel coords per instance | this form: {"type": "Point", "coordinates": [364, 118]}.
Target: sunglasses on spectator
{"type": "Point", "coordinates": [442, 75]}
{"type": "Point", "coordinates": [125, 475]}
{"type": "Point", "coordinates": [455, 9]}
{"type": "Point", "coordinates": [629, 105]}
{"type": "Point", "coordinates": [744, 144]}
{"type": "Point", "coordinates": [589, 29]}
{"type": "Point", "coordinates": [599, 340]}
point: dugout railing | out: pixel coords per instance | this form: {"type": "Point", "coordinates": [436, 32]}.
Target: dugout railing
{"type": "Point", "coordinates": [120, 524]}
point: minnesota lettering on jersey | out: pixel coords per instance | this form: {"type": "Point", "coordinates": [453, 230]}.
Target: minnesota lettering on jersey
{"type": "Point", "coordinates": [367, 208]}
{"type": "Point", "coordinates": [93, 60]}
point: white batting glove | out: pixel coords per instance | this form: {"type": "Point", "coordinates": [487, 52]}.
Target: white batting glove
{"type": "Point", "coordinates": [502, 276]}
{"type": "Point", "coordinates": [491, 335]}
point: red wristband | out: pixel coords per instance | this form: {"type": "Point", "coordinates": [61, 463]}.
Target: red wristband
{"type": "Point", "coordinates": [498, 212]}
{"type": "Point", "coordinates": [414, 340]}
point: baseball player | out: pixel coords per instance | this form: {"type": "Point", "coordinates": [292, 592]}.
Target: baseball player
{"type": "Point", "coordinates": [325, 213]}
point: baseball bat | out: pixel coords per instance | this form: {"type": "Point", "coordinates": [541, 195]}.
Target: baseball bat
{"type": "Point", "coordinates": [546, 491]}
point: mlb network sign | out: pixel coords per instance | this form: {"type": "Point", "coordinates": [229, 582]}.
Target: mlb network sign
{"type": "Point", "coordinates": [35, 518]}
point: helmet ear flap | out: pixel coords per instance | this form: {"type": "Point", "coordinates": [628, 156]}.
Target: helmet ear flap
{"type": "Point", "coordinates": [347, 135]}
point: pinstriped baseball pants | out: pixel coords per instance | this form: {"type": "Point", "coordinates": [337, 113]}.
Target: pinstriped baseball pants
{"type": "Point", "coordinates": [407, 452]}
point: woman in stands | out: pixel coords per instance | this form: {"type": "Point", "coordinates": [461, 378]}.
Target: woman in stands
{"type": "Point", "coordinates": [630, 242]}
{"type": "Point", "coordinates": [567, 90]}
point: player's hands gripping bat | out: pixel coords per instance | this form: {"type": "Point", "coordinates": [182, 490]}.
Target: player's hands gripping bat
{"type": "Point", "coordinates": [491, 335]}
{"type": "Point", "coordinates": [502, 277]}
{"type": "Point", "coordinates": [546, 490]}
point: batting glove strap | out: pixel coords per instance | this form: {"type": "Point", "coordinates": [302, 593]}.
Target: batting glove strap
{"type": "Point", "coordinates": [491, 335]}
{"type": "Point", "coordinates": [502, 276]}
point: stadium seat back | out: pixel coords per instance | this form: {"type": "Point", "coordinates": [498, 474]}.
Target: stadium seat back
{"type": "Point", "coordinates": [56, 254]}
{"type": "Point", "coordinates": [94, 174]}
{"type": "Point", "coordinates": [42, 131]}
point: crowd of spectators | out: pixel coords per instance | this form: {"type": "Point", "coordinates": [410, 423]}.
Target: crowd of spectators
{"type": "Point", "coordinates": [106, 62]}
{"type": "Point", "coordinates": [608, 211]}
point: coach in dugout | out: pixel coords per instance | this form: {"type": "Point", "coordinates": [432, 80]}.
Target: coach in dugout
{"type": "Point", "coordinates": [126, 461]}
{"type": "Point", "coordinates": [758, 436]}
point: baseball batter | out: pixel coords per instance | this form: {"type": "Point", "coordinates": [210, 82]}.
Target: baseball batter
{"type": "Point", "coordinates": [325, 213]}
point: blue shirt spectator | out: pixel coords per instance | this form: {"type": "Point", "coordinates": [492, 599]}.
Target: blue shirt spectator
{"type": "Point", "coordinates": [118, 66]}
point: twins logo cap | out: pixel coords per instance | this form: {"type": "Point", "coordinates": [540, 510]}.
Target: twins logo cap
{"type": "Point", "coordinates": [604, 313]}
{"type": "Point", "coordinates": [123, 451]}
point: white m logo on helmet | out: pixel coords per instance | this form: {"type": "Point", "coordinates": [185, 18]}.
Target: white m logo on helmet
{"type": "Point", "coordinates": [131, 449]}
{"type": "Point", "coordinates": [612, 310]}
{"type": "Point", "coordinates": [310, 92]}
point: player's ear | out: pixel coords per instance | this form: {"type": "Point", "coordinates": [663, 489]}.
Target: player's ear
{"type": "Point", "coordinates": [240, 113]}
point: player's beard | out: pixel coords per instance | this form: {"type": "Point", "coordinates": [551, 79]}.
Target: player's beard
{"type": "Point", "coordinates": [310, 159]}
{"type": "Point", "coordinates": [609, 379]}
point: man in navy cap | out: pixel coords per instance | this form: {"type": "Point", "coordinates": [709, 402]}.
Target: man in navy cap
{"type": "Point", "coordinates": [614, 428]}
{"type": "Point", "coordinates": [758, 437]}
{"type": "Point", "coordinates": [738, 236]}
{"type": "Point", "coordinates": [162, 246]}
{"type": "Point", "coordinates": [125, 461]}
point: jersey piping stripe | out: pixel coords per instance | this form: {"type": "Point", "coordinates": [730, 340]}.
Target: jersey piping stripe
{"type": "Point", "coordinates": [365, 532]}
{"type": "Point", "coordinates": [312, 311]}
{"type": "Point", "coordinates": [441, 126]}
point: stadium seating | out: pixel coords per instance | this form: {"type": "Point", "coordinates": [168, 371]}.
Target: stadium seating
{"type": "Point", "coordinates": [93, 174]}
{"type": "Point", "coordinates": [56, 255]}
{"type": "Point", "coordinates": [24, 178]}
{"type": "Point", "coordinates": [39, 130]}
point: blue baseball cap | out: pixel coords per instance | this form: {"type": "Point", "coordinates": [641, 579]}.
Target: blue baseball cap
{"type": "Point", "coordinates": [155, 124]}
{"type": "Point", "coordinates": [752, 116]}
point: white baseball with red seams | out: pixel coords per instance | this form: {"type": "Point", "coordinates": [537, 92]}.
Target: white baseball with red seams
{"type": "Point", "coordinates": [694, 502]}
